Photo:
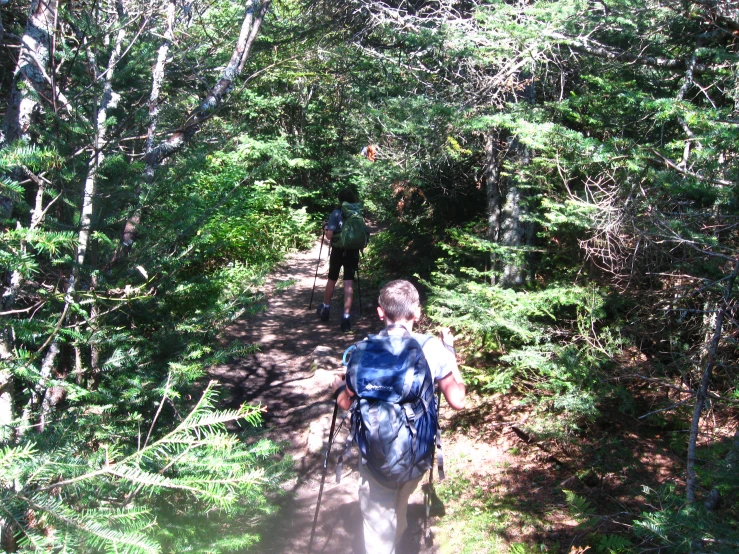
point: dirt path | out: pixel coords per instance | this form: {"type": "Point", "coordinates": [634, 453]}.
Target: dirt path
{"type": "Point", "coordinates": [290, 376]}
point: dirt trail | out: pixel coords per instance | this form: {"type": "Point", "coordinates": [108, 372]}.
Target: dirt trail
{"type": "Point", "coordinates": [290, 376]}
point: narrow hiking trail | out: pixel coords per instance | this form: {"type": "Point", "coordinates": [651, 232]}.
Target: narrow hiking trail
{"type": "Point", "coordinates": [291, 376]}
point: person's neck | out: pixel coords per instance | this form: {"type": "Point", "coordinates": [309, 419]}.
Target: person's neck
{"type": "Point", "coordinates": [407, 323]}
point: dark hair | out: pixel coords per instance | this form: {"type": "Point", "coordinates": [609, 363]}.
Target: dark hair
{"type": "Point", "coordinates": [399, 300]}
{"type": "Point", "coordinates": [348, 195]}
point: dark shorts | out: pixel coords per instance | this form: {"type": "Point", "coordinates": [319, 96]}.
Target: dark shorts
{"type": "Point", "coordinates": [349, 259]}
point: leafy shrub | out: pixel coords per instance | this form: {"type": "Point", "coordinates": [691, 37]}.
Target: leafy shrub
{"type": "Point", "coordinates": [547, 342]}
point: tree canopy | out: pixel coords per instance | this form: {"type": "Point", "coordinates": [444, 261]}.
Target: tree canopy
{"type": "Point", "coordinates": [560, 177]}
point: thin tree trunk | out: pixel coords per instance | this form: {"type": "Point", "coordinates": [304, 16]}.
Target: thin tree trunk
{"type": "Point", "coordinates": [249, 29]}
{"type": "Point", "coordinates": [513, 234]}
{"type": "Point", "coordinates": [253, 18]}
{"type": "Point", "coordinates": [2, 29]}
{"type": "Point", "coordinates": [493, 186]}
{"type": "Point", "coordinates": [6, 397]}
{"type": "Point", "coordinates": [29, 83]}
{"type": "Point", "coordinates": [130, 229]}
{"type": "Point", "coordinates": [702, 392]}
{"type": "Point", "coordinates": [505, 206]}
{"type": "Point", "coordinates": [79, 368]}
{"type": "Point", "coordinates": [108, 100]}
{"type": "Point", "coordinates": [47, 369]}
{"type": "Point", "coordinates": [687, 83]}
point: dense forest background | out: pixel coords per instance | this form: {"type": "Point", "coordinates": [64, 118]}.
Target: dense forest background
{"type": "Point", "coordinates": [560, 176]}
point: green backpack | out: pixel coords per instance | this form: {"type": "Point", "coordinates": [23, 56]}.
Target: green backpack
{"type": "Point", "coordinates": [354, 233]}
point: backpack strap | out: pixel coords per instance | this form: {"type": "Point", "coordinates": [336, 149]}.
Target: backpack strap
{"type": "Point", "coordinates": [439, 452]}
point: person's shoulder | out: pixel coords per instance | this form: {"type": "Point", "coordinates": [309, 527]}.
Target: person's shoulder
{"type": "Point", "coordinates": [426, 339]}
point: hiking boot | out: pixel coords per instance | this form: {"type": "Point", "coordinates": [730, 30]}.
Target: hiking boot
{"type": "Point", "coordinates": [346, 325]}
{"type": "Point", "coordinates": [322, 312]}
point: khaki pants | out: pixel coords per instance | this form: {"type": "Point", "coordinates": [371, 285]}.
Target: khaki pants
{"type": "Point", "coordinates": [383, 512]}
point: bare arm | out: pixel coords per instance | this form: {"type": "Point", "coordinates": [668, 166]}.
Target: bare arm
{"type": "Point", "coordinates": [452, 385]}
{"type": "Point", "coordinates": [454, 390]}
{"type": "Point", "coordinates": [344, 400]}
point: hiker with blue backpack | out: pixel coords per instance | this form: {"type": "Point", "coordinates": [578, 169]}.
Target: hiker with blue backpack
{"type": "Point", "coordinates": [389, 388]}
{"type": "Point", "coordinates": [347, 233]}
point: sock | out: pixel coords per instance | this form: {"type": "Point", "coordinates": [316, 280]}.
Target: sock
{"type": "Point", "coordinates": [346, 316]}
{"type": "Point", "coordinates": [326, 305]}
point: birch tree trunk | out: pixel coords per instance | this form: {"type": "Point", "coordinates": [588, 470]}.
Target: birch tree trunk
{"type": "Point", "coordinates": [155, 155]}
{"type": "Point", "coordinates": [6, 397]}
{"type": "Point", "coordinates": [109, 99]}
{"type": "Point", "coordinates": [253, 17]}
{"type": "Point", "coordinates": [28, 86]}
{"type": "Point", "coordinates": [29, 80]}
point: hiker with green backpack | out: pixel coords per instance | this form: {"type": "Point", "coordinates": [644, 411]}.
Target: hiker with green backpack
{"type": "Point", "coordinates": [347, 233]}
{"type": "Point", "coordinates": [389, 388]}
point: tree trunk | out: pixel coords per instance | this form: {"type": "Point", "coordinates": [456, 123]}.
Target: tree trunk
{"type": "Point", "coordinates": [6, 400]}
{"type": "Point", "coordinates": [155, 155]}
{"type": "Point", "coordinates": [506, 207]}
{"type": "Point", "coordinates": [29, 79]}
{"type": "Point", "coordinates": [494, 194]}
{"type": "Point", "coordinates": [29, 84]}
{"type": "Point", "coordinates": [249, 29]}
{"type": "Point", "coordinates": [2, 29]}
{"type": "Point", "coordinates": [702, 392]}
{"type": "Point", "coordinates": [130, 229]}
{"type": "Point", "coordinates": [109, 99]}
{"type": "Point", "coordinates": [513, 234]}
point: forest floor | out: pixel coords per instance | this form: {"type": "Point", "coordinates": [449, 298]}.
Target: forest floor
{"type": "Point", "coordinates": [502, 488]}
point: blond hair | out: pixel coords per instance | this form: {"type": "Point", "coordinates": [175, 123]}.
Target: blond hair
{"type": "Point", "coordinates": [399, 300]}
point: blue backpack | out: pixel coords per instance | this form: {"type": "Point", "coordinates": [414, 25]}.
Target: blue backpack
{"type": "Point", "coordinates": [394, 417]}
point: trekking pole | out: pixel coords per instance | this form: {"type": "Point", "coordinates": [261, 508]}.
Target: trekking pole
{"type": "Point", "coordinates": [320, 250]}
{"type": "Point", "coordinates": [428, 489]}
{"type": "Point", "coordinates": [427, 505]}
{"type": "Point", "coordinates": [323, 476]}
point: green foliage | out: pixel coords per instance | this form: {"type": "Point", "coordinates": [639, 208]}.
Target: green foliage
{"type": "Point", "coordinates": [580, 508]}
{"type": "Point", "coordinates": [682, 528]}
{"type": "Point", "coordinates": [105, 493]}
{"type": "Point", "coordinates": [613, 544]}
{"type": "Point", "coordinates": [549, 340]}
{"type": "Point", "coordinates": [626, 165]}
